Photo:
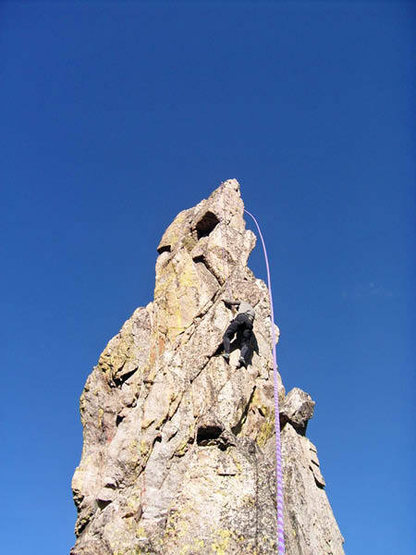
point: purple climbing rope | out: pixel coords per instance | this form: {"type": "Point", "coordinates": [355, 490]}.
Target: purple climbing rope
{"type": "Point", "coordinates": [279, 479]}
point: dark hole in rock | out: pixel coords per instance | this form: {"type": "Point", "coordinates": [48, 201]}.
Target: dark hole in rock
{"type": "Point", "coordinates": [319, 484]}
{"type": "Point", "coordinates": [119, 419]}
{"type": "Point", "coordinates": [206, 224]}
{"type": "Point", "coordinates": [199, 258]}
{"type": "Point", "coordinates": [81, 527]}
{"type": "Point", "coordinates": [119, 380]}
{"type": "Point", "coordinates": [158, 439]}
{"type": "Point", "coordinates": [78, 498]}
{"type": "Point", "coordinates": [207, 433]}
{"type": "Point", "coordinates": [261, 411]}
{"type": "Point", "coordinates": [102, 503]}
{"type": "Point", "coordinates": [164, 248]}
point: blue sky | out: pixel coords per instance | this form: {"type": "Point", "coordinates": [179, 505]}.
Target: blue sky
{"type": "Point", "coordinates": [117, 115]}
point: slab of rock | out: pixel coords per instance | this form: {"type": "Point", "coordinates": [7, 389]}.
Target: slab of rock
{"type": "Point", "coordinates": [178, 453]}
{"type": "Point", "coordinates": [310, 524]}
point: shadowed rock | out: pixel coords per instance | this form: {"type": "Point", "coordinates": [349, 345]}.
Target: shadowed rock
{"type": "Point", "coordinates": [179, 447]}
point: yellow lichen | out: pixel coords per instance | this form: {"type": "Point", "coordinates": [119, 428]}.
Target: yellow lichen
{"type": "Point", "coordinates": [267, 426]}
{"type": "Point", "coordinates": [188, 277]}
{"type": "Point", "coordinates": [141, 533]}
{"type": "Point", "coordinates": [133, 445]}
{"type": "Point", "coordinates": [189, 242]}
{"type": "Point", "coordinates": [144, 447]}
{"type": "Point", "coordinates": [146, 422]}
{"type": "Point", "coordinates": [221, 545]}
{"type": "Point", "coordinates": [183, 447]}
{"type": "Point", "coordinates": [266, 431]}
{"type": "Point", "coordinates": [236, 461]}
{"type": "Point", "coordinates": [100, 417]}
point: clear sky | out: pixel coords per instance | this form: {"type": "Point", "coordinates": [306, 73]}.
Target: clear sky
{"type": "Point", "coordinates": [117, 115]}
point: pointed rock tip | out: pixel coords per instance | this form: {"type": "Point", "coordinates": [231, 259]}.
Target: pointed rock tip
{"type": "Point", "coordinates": [222, 204]}
{"type": "Point", "coordinates": [224, 189]}
{"type": "Point", "coordinates": [227, 198]}
{"type": "Point", "coordinates": [228, 184]}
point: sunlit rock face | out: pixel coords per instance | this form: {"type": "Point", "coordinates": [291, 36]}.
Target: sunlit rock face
{"type": "Point", "coordinates": [179, 446]}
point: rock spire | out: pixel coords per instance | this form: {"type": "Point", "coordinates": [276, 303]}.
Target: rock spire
{"type": "Point", "coordinates": [178, 455]}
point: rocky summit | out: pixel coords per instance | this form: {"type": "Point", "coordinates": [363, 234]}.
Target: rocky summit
{"type": "Point", "coordinates": [179, 445]}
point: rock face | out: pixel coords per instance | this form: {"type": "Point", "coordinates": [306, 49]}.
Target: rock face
{"type": "Point", "coordinates": [178, 453]}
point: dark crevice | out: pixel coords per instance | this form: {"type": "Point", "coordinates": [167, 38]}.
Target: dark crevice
{"type": "Point", "coordinates": [206, 224]}
{"type": "Point", "coordinates": [119, 380]}
{"type": "Point", "coordinates": [102, 504]}
{"type": "Point", "coordinates": [319, 484]}
{"type": "Point", "coordinates": [78, 499]}
{"type": "Point", "coordinates": [158, 439]}
{"type": "Point", "coordinates": [237, 428]}
{"type": "Point", "coordinates": [299, 428]}
{"type": "Point", "coordinates": [82, 525]}
{"type": "Point", "coordinates": [207, 434]}
{"type": "Point", "coordinates": [173, 435]}
{"type": "Point", "coordinates": [164, 248]}
{"type": "Point", "coordinates": [119, 419]}
{"type": "Point", "coordinates": [169, 416]}
{"type": "Point", "coordinates": [191, 379]}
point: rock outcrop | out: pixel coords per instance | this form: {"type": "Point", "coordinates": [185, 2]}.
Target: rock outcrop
{"type": "Point", "coordinates": [179, 446]}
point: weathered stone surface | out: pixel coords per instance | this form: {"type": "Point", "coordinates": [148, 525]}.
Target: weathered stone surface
{"type": "Point", "coordinates": [297, 409]}
{"type": "Point", "coordinates": [310, 524]}
{"type": "Point", "coordinates": [178, 452]}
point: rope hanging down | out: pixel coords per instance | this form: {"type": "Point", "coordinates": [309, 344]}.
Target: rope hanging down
{"type": "Point", "coordinates": [279, 479]}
